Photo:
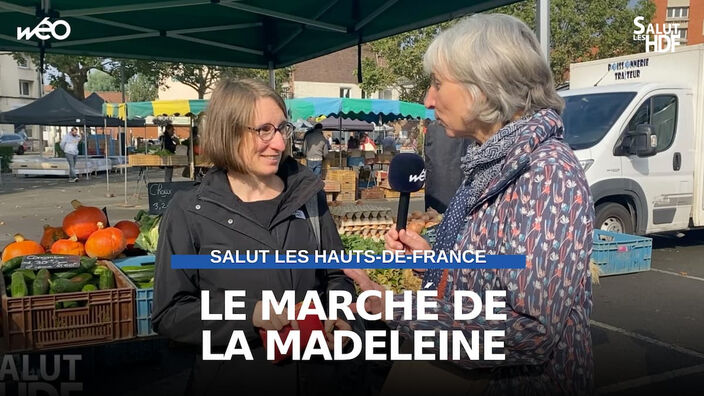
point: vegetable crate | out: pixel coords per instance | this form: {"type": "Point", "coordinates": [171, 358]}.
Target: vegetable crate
{"type": "Point", "coordinates": [34, 322]}
{"type": "Point", "coordinates": [145, 297]}
{"type": "Point", "coordinates": [616, 253]}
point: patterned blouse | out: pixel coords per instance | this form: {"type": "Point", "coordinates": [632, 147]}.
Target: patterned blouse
{"type": "Point", "coordinates": [540, 207]}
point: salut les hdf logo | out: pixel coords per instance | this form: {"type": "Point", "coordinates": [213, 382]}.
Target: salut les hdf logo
{"type": "Point", "coordinates": [44, 30]}
{"type": "Point", "coordinates": [658, 38]}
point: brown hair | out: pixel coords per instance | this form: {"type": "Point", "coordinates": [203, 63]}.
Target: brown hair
{"type": "Point", "coordinates": [224, 133]}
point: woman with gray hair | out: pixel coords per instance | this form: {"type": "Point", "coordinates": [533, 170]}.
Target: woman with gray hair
{"type": "Point", "coordinates": [524, 193]}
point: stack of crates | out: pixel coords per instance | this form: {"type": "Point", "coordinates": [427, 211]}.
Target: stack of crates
{"type": "Point", "coordinates": [348, 183]}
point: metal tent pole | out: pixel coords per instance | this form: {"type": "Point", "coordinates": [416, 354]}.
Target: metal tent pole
{"type": "Point", "coordinates": [107, 158]}
{"type": "Point", "coordinates": [542, 26]}
{"type": "Point", "coordinates": [85, 147]}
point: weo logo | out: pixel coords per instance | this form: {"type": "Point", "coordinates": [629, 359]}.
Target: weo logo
{"type": "Point", "coordinates": [417, 178]}
{"type": "Point", "coordinates": [44, 30]}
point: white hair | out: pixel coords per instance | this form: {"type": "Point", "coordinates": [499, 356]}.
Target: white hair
{"type": "Point", "coordinates": [498, 59]}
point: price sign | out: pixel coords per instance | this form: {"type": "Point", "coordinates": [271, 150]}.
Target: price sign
{"type": "Point", "coordinates": [161, 193]}
{"type": "Point", "coordinates": [50, 262]}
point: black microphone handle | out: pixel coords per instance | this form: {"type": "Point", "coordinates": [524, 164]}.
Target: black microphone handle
{"type": "Point", "coordinates": [402, 216]}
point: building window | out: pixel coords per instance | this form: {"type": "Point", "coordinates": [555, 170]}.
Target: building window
{"type": "Point", "coordinates": [683, 34]}
{"type": "Point", "coordinates": [386, 94]}
{"type": "Point", "coordinates": [25, 87]}
{"type": "Point", "coordinates": [677, 12]}
{"type": "Point", "coordinates": [345, 92]}
{"type": "Point", "coordinates": [22, 62]}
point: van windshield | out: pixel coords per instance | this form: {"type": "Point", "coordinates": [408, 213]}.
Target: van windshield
{"type": "Point", "coordinates": [588, 118]}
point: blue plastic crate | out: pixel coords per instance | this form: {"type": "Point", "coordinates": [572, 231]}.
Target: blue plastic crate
{"type": "Point", "coordinates": [616, 253]}
{"type": "Point", "coordinates": [144, 296]}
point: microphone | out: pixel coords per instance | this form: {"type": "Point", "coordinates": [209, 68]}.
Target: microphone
{"type": "Point", "coordinates": [406, 175]}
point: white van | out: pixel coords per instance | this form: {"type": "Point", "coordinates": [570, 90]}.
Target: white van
{"type": "Point", "coordinates": [636, 124]}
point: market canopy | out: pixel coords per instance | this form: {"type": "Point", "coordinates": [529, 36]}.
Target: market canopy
{"type": "Point", "coordinates": [333, 123]}
{"type": "Point", "coordinates": [95, 102]}
{"type": "Point", "coordinates": [155, 108]}
{"type": "Point", "coordinates": [248, 33]}
{"type": "Point", "coordinates": [58, 108]}
{"type": "Point", "coordinates": [370, 110]}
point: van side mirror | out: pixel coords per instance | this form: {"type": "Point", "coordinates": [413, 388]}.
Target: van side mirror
{"type": "Point", "coordinates": [642, 142]}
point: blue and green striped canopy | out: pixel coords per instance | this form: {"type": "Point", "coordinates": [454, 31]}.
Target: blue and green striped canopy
{"type": "Point", "coordinates": [371, 110]}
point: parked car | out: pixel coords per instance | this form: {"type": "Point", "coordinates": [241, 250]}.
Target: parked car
{"type": "Point", "coordinates": [19, 144]}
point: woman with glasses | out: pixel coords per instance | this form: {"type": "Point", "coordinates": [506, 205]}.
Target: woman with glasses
{"type": "Point", "coordinates": [256, 197]}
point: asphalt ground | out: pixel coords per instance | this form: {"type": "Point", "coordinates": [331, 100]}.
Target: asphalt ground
{"type": "Point", "coordinates": [647, 328]}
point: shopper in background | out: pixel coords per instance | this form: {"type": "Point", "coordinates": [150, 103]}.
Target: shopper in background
{"type": "Point", "coordinates": [169, 144]}
{"type": "Point", "coordinates": [69, 144]}
{"type": "Point", "coordinates": [316, 147]}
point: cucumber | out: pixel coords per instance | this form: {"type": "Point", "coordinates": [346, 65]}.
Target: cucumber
{"type": "Point", "coordinates": [74, 284]}
{"type": "Point", "coordinates": [67, 274]}
{"type": "Point", "coordinates": [89, 287]}
{"type": "Point", "coordinates": [18, 287]}
{"type": "Point", "coordinates": [107, 280]}
{"type": "Point", "coordinates": [137, 268]}
{"type": "Point", "coordinates": [99, 269]}
{"type": "Point", "coordinates": [29, 275]}
{"type": "Point", "coordinates": [141, 276]}
{"type": "Point", "coordinates": [11, 265]}
{"type": "Point", "coordinates": [146, 285]}
{"type": "Point", "coordinates": [87, 264]}
{"type": "Point", "coordinates": [41, 283]}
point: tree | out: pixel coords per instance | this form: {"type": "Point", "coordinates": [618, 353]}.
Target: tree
{"type": "Point", "coordinates": [72, 72]}
{"type": "Point", "coordinates": [579, 31]}
{"type": "Point", "coordinates": [586, 30]}
{"type": "Point", "coordinates": [204, 78]}
{"type": "Point", "coordinates": [142, 89]}
{"type": "Point", "coordinates": [100, 81]}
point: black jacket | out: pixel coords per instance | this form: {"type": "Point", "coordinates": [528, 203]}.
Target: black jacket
{"type": "Point", "coordinates": [211, 217]}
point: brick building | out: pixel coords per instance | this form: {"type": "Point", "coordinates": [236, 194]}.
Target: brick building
{"type": "Point", "coordinates": [332, 75]}
{"type": "Point", "coordinates": [688, 14]}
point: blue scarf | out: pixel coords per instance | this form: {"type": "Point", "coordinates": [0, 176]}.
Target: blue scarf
{"type": "Point", "coordinates": [481, 165]}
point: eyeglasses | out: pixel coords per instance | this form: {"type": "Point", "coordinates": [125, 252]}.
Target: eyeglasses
{"type": "Point", "coordinates": [267, 131]}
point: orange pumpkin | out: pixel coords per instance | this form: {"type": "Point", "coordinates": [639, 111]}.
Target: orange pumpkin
{"type": "Point", "coordinates": [83, 220]}
{"type": "Point", "coordinates": [21, 247]}
{"type": "Point", "coordinates": [51, 235]}
{"type": "Point", "coordinates": [106, 243]}
{"type": "Point", "coordinates": [68, 246]}
{"type": "Point", "coordinates": [130, 229]}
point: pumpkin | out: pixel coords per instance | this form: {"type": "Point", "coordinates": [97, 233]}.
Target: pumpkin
{"type": "Point", "coordinates": [130, 229]}
{"type": "Point", "coordinates": [83, 220]}
{"type": "Point", "coordinates": [51, 235]}
{"type": "Point", "coordinates": [68, 246]}
{"type": "Point", "coordinates": [21, 247]}
{"type": "Point", "coordinates": [105, 243]}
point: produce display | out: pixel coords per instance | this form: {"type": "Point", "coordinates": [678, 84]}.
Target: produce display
{"type": "Point", "coordinates": [148, 231]}
{"type": "Point", "coordinates": [141, 275]}
{"type": "Point", "coordinates": [419, 221]}
{"type": "Point", "coordinates": [21, 247]}
{"type": "Point", "coordinates": [397, 280]}
{"type": "Point", "coordinates": [105, 242]}
{"type": "Point", "coordinates": [83, 221]}
{"type": "Point", "coordinates": [90, 275]}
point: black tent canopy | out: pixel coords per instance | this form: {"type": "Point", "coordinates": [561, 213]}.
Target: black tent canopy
{"type": "Point", "coordinates": [57, 108]}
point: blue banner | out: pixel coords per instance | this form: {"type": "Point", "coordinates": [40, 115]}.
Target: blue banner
{"type": "Point", "coordinates": [334, 260]}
